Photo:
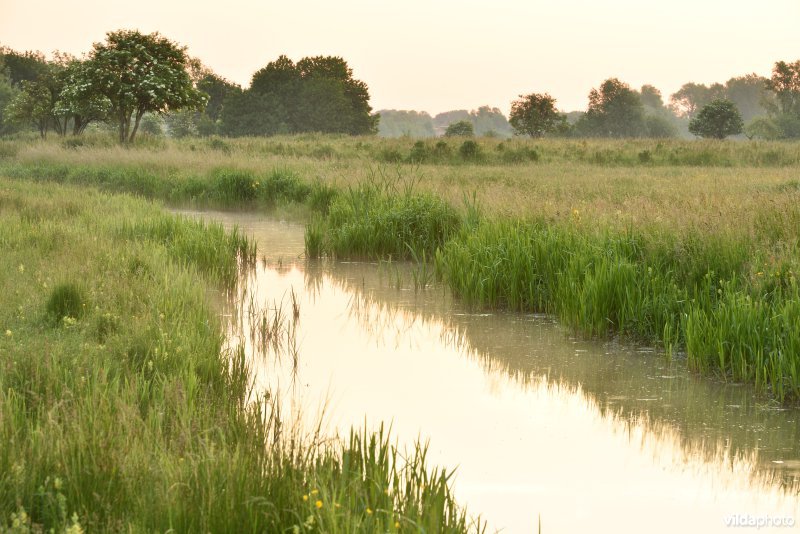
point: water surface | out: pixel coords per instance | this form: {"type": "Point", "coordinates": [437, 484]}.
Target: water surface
{"type": "Point", "coordinates": [539, 424]}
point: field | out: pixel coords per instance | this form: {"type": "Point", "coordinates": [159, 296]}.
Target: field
{"type": "Point", "coordinates": [690, 246]}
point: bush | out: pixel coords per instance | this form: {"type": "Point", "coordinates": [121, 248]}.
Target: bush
{"type": "Point", "coordinates": [469, 150]}
{"type": "Point", "coordinates": [67, 300]}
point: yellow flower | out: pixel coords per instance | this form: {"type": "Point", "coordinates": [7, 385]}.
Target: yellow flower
{"type": "Point", "coordinates": [314, 491]}
{"type": "Point", "coordinates": [397, 524]}
{"type": "Point", "coordinates": [369, 511]}
{"type": "Point", "coordinates": [318, 504]}
{"type": "Point", "coordinates": [305, 497]}
{"type": "Point", "coordinates": [9, 333]}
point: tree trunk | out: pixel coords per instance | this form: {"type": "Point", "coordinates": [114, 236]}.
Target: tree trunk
{"type": "Point", "coordinates": [139, 115]}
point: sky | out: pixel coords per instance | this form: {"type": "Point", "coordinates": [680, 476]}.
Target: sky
{"type": "Point", "coordinates": [439, 55]}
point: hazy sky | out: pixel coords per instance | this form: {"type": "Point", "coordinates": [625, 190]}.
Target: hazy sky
{"type": "Point", "coordinates": [437, 55]}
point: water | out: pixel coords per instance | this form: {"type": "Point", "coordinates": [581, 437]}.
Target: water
{"type": "Point", "coordinates": [539, 425]}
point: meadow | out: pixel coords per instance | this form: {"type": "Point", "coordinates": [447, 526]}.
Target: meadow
{"type": "Point", "coordinates": [691, 245]}
{"type": "Point", "coordinates": [122, 410]}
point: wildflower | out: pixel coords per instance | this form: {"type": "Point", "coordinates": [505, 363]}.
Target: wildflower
{"type": "Point", "coordinates": [318, 504]}
{"type": "Point", "coordinates": [305, 498]}
{"type": "Point", "coordinates": [369, 511]}
{"type": "Point", "coordinates": [57, 484]}
{"type": "Point", "coordinates": [397, 524]}
{"type": "Point", "coordinates": [759, 273]}
{"type": "Point", "coordinates": [314, 491]}
{"type": "Point", "coordinates": [9, 333]}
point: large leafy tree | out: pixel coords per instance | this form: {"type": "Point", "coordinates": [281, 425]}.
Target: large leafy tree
{"type": "Point", "coordinates": [315, 94]}
{"type": "Point", "coordinates": [785, 83]}
{"type": "Point", "coordinates": [141, 73]}
{"type": "Point", "coordinates": [615, 110]}
{"type": "Point", "coordinates": [717, 120]}
{"type": "Point", "coordinates": [535, 115]}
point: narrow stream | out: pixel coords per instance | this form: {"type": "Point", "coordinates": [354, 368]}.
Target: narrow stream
{"type": "Point", "coordinates": [540, 425]}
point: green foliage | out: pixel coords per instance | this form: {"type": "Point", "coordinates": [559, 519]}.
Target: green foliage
{"type": "Point", "coordinates": [140, 74]}
{"type": "Point", "coordinates": [33, 105]}
{"type": "Point", "coordinates": [762, 128]}
{"type": "Point", "coordinates": [152, 125]}
{"type": "Point", "coordinates": [318, 94]}
{"type": "Point", "coordinates": [615, 110]}
{"type": "Point", "coordinates": [535, 115]}
{"type": "Point", "coordinates": [67, 300]}
{"type": "Point", "coordinates": [460, 129]}
{"type": "Point", "coordinates": [717, 120]}
{"type": "Point", "coordinates": [470, 150]}
{"type": "Point", "coordinates": [785, 84]}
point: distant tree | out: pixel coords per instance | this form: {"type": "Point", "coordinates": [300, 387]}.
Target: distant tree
{"type": "Point", "coordinates": [217, 89]}
{"type": "Point", "coordinates": [254, 114]}
{"type": "Point", "coordinates": [141, 74]}
{"type": "Point", "coordinates": [691, 97]}
{"type": "Point", "coordinates": [534, 114]}
{"type": "Point", "coordinates": [749, 93]}
{"type": "Point", "coordinates": [486, 119]}
{"type": "Point", "coordinates": [717, 120]}
{"type": "Point", "coordinates": [785, 83]}
{"type": "Point", "coordinates": [32, 105]}
{"type": "Point", "coordinates": [659, 126]}
{"type": "Point", "coordinates": [460, 129]}
{"type": "Point", "coordinates": [152, 124]}
{"type": "Point", "coordinates": [7, 94]}
{"type": "Point", "coordinates": [398, 123]}
{"type": "Point", "coordinates": [442, 120]}
{"type": "Point", "coordinates": [651, 97]}
{"type": "Point", "coordinates": [762, 128]}
{"type": "Point", "coordinates": [615, 110]}
{"type": "Point", "coordinates": [315, 94]}
{"type": "Point", "coordinates": [23, 66]}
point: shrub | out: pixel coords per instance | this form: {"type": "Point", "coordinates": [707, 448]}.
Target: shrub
{"type": "Point", "coordinates": [66, 300]}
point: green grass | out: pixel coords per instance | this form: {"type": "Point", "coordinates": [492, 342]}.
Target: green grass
{"type": "Point", "coordinates": [126, 414]}
{"type": "Point", "coordinates": [662, 241]}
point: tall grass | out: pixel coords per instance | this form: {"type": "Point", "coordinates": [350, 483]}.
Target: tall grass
{"type": "Point", "coordinates": [128, 415]}
{"type": "Point", "coordinates": [655, 240]}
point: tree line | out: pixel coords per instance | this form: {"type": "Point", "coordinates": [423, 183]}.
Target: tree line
{"type": "Point", "coordinates": [144, 82]}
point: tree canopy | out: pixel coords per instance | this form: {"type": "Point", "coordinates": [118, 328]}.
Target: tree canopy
{"type": "Point", "coordinates": [140, 73]}
{"type": "Point", "coordinates": [535, 115]}
{"type": "Point", "coordinates": [460, 129]}
{"type": "Point", "coordinates": [717, 119]}
{"type": "Point", "coordinates": [317, 94]}
{"type": "Point", "coordinates": [615, 110]}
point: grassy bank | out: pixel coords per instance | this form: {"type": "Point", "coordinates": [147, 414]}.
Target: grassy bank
{"type": "Point", "coordinates": [694, 246]}
{"type": "Point", "coordinates": [119, 409]}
